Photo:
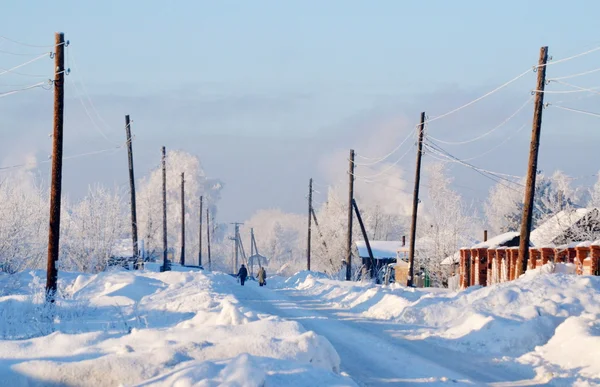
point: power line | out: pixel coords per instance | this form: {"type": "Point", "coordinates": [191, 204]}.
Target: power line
{"type": "Point", "coordinates": [577, 75]}
{"type": "Point", "coordinates": [442, 152]}
{"type": "Point", "coordinates": [496, 146]}
{"type": "Point", "coordinates": [94, 124]}
{"type": "Point", "coordinates": [30, 45]}
{"type": "Point", "coordinates": [579, 88]}
{"type": "Point", "coordinates": [508, 83]}
{"type": "Point", "coordinates": [114, 149]}
{"type": "Point", "coordinates": [480, 98]}
{"type": "Point", "coordinates": [488, 132]}
{"type": "Point", "coordinates": [487, 176]}
{"type": "Point", "coordinates": [576, 110]}
{"type": "Point", "coordinates": [380, 159]}
{"type": "Point", "coordinates": [591, 90]}
{"type": "Point", "coordinates": [575, 99]}
{"type": "Point", "coordinates": [569, 58]}
{"type": "Point", "coordinates": [24, 64]}
{"type": "Point", "coordinates": [88, 96]}
{"type": "Point", "coordinates": [385, 169]}
{"type": "Point", "coordinates": [18, 53]}
{"type": "Point", "coordinates": [7, 93]}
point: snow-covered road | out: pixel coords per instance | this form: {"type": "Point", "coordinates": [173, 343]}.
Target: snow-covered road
{"type": "Point", "coordinates": [370, 353]}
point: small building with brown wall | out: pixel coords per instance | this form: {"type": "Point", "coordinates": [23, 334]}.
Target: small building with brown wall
{"type": "Point", "coordinates": [476, 261]}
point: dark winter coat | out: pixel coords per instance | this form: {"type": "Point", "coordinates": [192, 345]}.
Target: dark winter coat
{"type": "Point", "coordinates": [243, 273]}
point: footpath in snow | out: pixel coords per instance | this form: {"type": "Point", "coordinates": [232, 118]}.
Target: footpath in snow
{"type": "Point", "coordinates": [542, 329]}
{"type": "Point", "coordinates": [152, 329]}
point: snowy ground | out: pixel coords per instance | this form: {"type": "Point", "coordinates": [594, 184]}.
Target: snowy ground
{"type": "Point", "coordinates": [188, 328]}
{"type": "Point", "coordinates": [146, 329]}
{"type": "Point", "coordinates": [541, 329]}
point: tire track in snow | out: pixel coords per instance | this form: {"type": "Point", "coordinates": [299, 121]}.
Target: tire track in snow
{"type": "Point", "coordinates": [370, 355]}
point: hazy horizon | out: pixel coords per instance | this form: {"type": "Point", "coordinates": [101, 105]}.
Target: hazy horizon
{"type": "Point", "coordinates": [269, 94]}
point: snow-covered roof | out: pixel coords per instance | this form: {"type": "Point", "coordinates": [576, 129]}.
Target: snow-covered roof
{"type": "Point", "coordinates": [380, 249]}
{"type": "Point", "coordinates": [400, 263]}
{"type": "Point", "coordinates": [497, 241]}
{"type": "Point", "coordinates": [546, 233]}
{"type": "Point", "coordinates": [454, 258]}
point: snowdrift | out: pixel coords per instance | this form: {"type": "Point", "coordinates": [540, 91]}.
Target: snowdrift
{"type": "Point", "coordinates": [548, 321]}
{"type": "Point", "coordinates": [179, 328]}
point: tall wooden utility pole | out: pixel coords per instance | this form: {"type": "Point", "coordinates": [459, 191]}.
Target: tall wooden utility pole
{"type": "Point", "coordinates": [57, 149]}
{"type": "Point", "coordinates": [533, 159]}
{"type": "Point", "coordinates": [350, 198]}
{"type": "Point", "coordinates": [415, 207]}
{"type": "Point", "coordinates": [251, 263]}
{"type": "Point", "coordinates": [182, 219]}
{"type": "Point", "coordinates": [310, 192]}
{"type": "Point", "coordinates": [208, 238]}
{"type": "Point", "coordinates": [237, 250]}
{"type": "Point", "coordinates": [200, 235]}
{"type": "Point", "coordinates": [165, 266]}
{"type": "Point", "coordinates": [134, 232]}
{"type": "Point", "coordinates": [237, 246]}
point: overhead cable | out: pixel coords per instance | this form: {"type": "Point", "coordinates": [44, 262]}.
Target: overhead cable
{"type": "Point", "coordinates": [380, 159]}
{"type": "Point", "coordinates": [30, 45]}
{"type": "Point", "coordinates": [7, 93]}
{"type": "Point", "coordinates": [488, 132]}
{"type": "Point", "coordinates": [480, 98]}
{"type": "Point", "coordinates": [571, 57]}
{"type": "Point", "coordinates": [5, 71]}
{"type": "Point", "coordinates": [576, 110]}
{"type": "Point", "coordinates": [578, 74]}
{"type": "Point", "coordinates": [387, 168]}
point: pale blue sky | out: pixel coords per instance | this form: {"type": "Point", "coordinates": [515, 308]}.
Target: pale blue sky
{"type": "Point", "coordinates": [294, 81]}
{"type": "Point", "coordinates": [379, 45]}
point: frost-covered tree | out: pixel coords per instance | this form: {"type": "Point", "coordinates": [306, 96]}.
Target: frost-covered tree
{"type": "Point", "coordinates": [594, 194]}
{"type": "Point", "coordinates": [150, 218]}
{"type": "Point", "coordinates": [280, 237]}
{"type": "Point", "coordinates": [23, 223]}
{"type": "Point", "coordinates": [91, 229]}
{"type": "Point", "coordinates": [445, 223]}
{"type": "Point", "coordinates": [504, 206]}
{"type": "Point", "coordinates": [329, 237]}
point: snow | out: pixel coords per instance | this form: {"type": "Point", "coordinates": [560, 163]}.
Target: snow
{"type": "Point", "coordinates": [191, 328]}
{"type": "Point", "coordinates": [122, 248]}
{"type": "Point", "coordinates": [178, 328]}
{"type": "Point", "coordinates": [544, 321]}
{"type": "Point", "coordinates": [547, 232]}
{"type": "Point", "coordinates": [453, 259]}
{"type": "Point", "coordinates": [380, 249]}
{"type": "Point", "coordinates": [497, 241]}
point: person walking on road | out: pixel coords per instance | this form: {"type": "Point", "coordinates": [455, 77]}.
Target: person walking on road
{"type": "Point", "coordinates": [262, 276]}
{"type": "Point", "coordinates": [242, 274]}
